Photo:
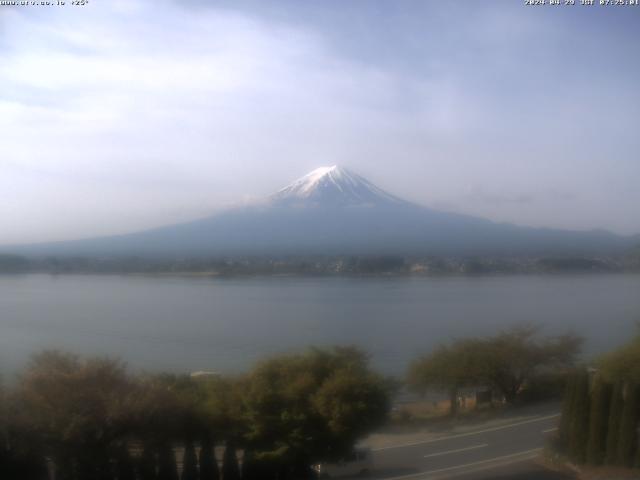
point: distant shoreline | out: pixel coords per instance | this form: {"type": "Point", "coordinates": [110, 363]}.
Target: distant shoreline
{"type": "Point", "coordinates": [325, 266]}
{"type": "Point", "coordinates": [230, 276]}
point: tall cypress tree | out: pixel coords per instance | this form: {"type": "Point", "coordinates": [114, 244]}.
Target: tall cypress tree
{"type": "Point", "coordinates": [208, 462]}
{"type": "Point", "coordinates": [26, 466]}
{"type": "Point", "coordinates": [615, 417]}
{"type": "Point", "coordinates": [579, 425]}
{"type": "Point", "coordinates": [167, 468]}
{"type": "Point", "coordinates": [600, 399]}
{"type": "Point", "coordinates": [627, 440]}
{"type": "Point", "coordinates": [65, 467]}
{"type": "Point", "coordinates": [249, 466]}
{"type": "Point", "coordinates": [567, 412]}
{"type": "Point", "coordinates": [124, 464]}
{"type": "Point", "coordinates": [147, 464]}
{"type": "Point", "coordinates": [230, 469]}
{"type": "Point", "coordinates": [189, 463]}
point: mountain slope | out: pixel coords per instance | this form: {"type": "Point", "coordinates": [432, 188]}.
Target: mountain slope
{"type": "Point", "coordinates": [334, 211]}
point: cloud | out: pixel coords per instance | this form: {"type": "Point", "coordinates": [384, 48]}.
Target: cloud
{"type": "Point", "coordinates": [193, 90]}
{"type": "Point", "coordinates": [480, 195]}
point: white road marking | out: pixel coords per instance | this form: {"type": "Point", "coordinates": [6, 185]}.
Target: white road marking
{"type": "Point", "coordinates": [511, 458]}
{"type": "Point", "coordinates": [489, 460]}
{"type": "Point", "coordinates": [460, 435]}
{"type": "Point", "coordinates": [456, 450]}
{"type": "Point", "coordinates": [550, 430]}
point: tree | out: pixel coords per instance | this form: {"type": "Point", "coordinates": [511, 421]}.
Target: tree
{"type": "Point", "coordinates": [208, 462]}
{"type": "Point", "coordinates": [189, 462]}
{"type": "Point", "coordinates": [167, 469]}
{"type": "Point", "coordinates": [169, 410]}
{"type": "Point", "coordinates": [78, 409]}
{"type": "Point", "coordinates": [448, 368]}
{"type": "Point", "coordinates": [600, 399]}
{"type": "Point", "coordinates": [251, 467]}
{"type": "Point", "coordinates": [223, 407]}
{"type": "Point", "coordinates": [615, 418]}
{"type": "Point", "coordinates": [623, 364]}
{"type": "Point", "coordinates": [512, 358]}
{"type": "Point", "coordinates": [506, 362]}
{"type": "Point", "coordinates": [230, 468]}
{"type": "Point", "coordinates": [21, 455]}
{"type": "Point", "coordinates": [310, 407]}
{"type": "Point", "coordinates": [190, 397]}
{"type": "Point", "coordinates": [627, 439]}
{"type": "Point", "coordinates": [124, 464]}
{"type": "Point", "coordinates": [147, 464]}
{"type": "Point", "coordinates": [579, 423]}
{"type": "Point", "coordinates": [567, 411]}
{"type": "Point", "coordinates": [291, 410]}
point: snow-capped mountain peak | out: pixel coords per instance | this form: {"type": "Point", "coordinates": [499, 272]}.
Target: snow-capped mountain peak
{"type": "Point", "coordinates": [333, 186]}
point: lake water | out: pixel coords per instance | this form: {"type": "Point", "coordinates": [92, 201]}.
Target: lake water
{"type": "Point", "coordinates": [187, 324]}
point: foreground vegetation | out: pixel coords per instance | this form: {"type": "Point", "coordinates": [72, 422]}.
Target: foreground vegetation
{"type": "Point", "coordinates": [601, 414]}
{"type": "Point", "coordinates": [514, 365]}
{"type": "Point", "coordinates": [90, 419]}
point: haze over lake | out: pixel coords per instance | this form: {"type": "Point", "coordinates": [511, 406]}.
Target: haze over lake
{"type": "Point", "coordinates": [188, 324]}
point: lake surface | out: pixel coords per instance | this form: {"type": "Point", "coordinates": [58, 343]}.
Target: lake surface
{"type": "Point", "coordinates": [187, 324]}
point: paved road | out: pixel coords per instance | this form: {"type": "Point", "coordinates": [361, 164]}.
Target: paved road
{"type": "Point", "coordinates": [495, 452]}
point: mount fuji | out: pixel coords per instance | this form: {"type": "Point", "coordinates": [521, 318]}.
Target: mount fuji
{"type": "Point", "coordinates": [334, 211]}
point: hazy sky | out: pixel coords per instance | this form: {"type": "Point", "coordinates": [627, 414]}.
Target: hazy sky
{"type": "Point", "coordinates": [122, 115]}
